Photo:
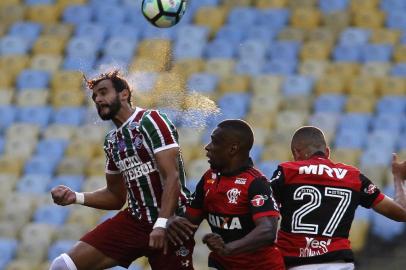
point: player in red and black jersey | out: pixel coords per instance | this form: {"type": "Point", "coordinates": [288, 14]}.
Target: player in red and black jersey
{"type": "Point", "coordinates": [236, 200]}
{"type": "Point", "coordinates": [318, 199]}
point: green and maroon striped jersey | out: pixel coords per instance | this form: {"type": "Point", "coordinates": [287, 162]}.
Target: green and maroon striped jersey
{"type": "Point", "coordinates": [130, 151]}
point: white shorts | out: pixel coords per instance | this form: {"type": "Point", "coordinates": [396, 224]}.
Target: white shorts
{"type": "Point", "coordinates": [325, 266]}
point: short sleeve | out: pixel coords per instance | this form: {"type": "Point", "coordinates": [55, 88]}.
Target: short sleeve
{"type": "Point", "coordinates": [158, 131]}
{"type": "Point", "coordinates": [261, 200]}
{"type": "Point", "coordinates": [277, 182]}
{"type": "Point", "coordinates": [196, 204]}
{"type": "Point", "coordinates": [369, 193]}
{"type": "Point", "coordinates": [111, 167]}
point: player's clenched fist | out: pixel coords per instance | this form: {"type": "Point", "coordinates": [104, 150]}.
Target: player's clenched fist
{"type": "Point", "coordinates": [63, 195]}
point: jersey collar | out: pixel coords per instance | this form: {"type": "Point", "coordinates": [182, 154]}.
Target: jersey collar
{"type": "Point", "coordinates": [248, 165]}
{"type": "Point", "coordinates": [137, 110]}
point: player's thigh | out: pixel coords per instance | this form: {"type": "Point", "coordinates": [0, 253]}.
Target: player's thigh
{"type": "Point", "coordinates": [177, 257]}
{"type": "Point", "coordinates": [86, 257]}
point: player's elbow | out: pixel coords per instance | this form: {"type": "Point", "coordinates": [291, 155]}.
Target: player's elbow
{"type": "Point", "coordinates": [269, 235]}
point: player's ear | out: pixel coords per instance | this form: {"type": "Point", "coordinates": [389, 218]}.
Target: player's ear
{"type": "Point", "coordinates": [234, 148]}
{"type": "Point", "coordinates": [124, 95]}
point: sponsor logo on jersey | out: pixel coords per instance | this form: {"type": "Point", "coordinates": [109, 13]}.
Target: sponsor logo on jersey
{"type": "Point", "coordinates": [137, 141]}
{"type": "Point", "coordinates": [185, 263]}
{"type": "Point", "coordinates": [226, 223]}
{"type": "Point", "coordinates": [240, 181]}
{"type": "Point", "coordinates": [259, 200]}
{"type": "Point", "coordinates": [232, 195]}
{"type": "Point", "coordinates": [133, 168]}
{"type": "Point", "coordinates": [314, 247]}
{"type": "Point", "coordinates": [321, 169]}
{"type": "Point", "coordinates": [370, 189]}
{"type": "Point", "coordinates": [182, 251]}
{"type": "Point", "coordinates": [210, 181]}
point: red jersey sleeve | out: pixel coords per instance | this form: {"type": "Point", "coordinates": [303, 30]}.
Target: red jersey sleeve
{"type": "Point", "coordinates": [370, 193]}
{"type": "Point", "coordinates": [261, 200]}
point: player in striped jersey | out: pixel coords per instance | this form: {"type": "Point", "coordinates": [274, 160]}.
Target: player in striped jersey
{"type": "Point", "coordinates": [144, 167]}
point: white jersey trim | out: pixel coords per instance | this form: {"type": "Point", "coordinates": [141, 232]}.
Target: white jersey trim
{"type": "Point", "coordinates": [165, 147]}
{"type": "Point", "coordinates": [325, 266]}
{"type": "Point", "coordinates": [112, 172]}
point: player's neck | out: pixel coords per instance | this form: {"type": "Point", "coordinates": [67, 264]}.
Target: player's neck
{"type": "Point", "coordinates": [123, 114]}
{"type": "Point", "coordinates": [236, 166]}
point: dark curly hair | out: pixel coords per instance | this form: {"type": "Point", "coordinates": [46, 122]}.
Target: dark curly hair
{"type": "Point", "coordinates": [119, 83]}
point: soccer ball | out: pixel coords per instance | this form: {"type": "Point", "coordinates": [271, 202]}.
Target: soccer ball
{"type": "Point", "coordinates": [163, 13]}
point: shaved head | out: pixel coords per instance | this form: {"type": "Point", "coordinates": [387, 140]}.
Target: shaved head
{"type": "Point", "coordinates": [307, 141]}
{"type": "Point", "coordinates": [239, 131]}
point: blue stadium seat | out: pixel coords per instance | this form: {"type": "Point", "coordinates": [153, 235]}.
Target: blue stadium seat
{"type": "Point", "coordinates": [194, 118]}
{"type": "Point", "coordinates": [96, 32]}
{"type": "Point", "coordinates": [377, 156]}
{"type": "Point", "coordinates": [143, 81]}
{"type": "Point", "coordinates": [391, 104]}
{"type": "Point", "coordinates": [273, 18]}
{"type": "Point", "coordinates": [194, 32]}
{"type": "Point", "coordinates": [82, 47]}
{"type": "Point", "coordinates": [123, 30]}
{"type": "Point", "coordinates": [348, 53]}
{"type": "Point", "coordinates": [363, 214]}
{"type": "Point", "coordinates": [349, 138]}
{"type": "Point", "coordinates": [83, 64]}
{"type": "Point", "coordinates": [8, 249]}
{"type": "Point", "coordinates": [106, 14]}
{"type": "Point", "coordinates": [231, 33]}
{"type": "Point", "coordinates": [75, 182]}
{"type": "Point", "coordinates": [7, 117]}
{"type": "Point", "coordinates": [284, 50]}
{"type": "Point", "coordinates": [41, 164]}
{"type": "Point", "coordinates": [27, 30]}
{"type": "Point", "coordinates": [268, 167]}
{"type": "Point", "coordinates": [242, 16]}
{"type": "Point", "coordinates": [252, 49]}
{"type": "Point", "coordinates": [297, 85]}
{"type": "Point", "coordinates": [73, 116]}
{"type": "Point", "coordinates": [382, 139]}
{"type": "Point", "coordinates": [387, 121]}
{"type": "Point", "coordinates": [234, 102]}
{"type": "Point", "coordinates": [202, 82]}
{"type": "Point", "coordinates": [327, 121]}
{"type": "Point", "coordinates": [120, 48]}
{"type": "Point", "coordinates": [188, 49]}
{"type": "Point", "coordinates": [34, 183]}
{"type": "Point", "coordinates": [51, 148]}
{"type": "Point", "coordinates": [249, 66]}
{"type": "Point", "coordinates": [51, 214]}
{"type": "Point", "coordinates": [14, 45]}
{"type": "Point", "coordinates": [256, 153]}
{"type": "Point", "coordinates": [59, 247]}
{"type": "Point", "coordinates": [220, 48]}
{"type": "Point", "coordinates": [396, 19]}
{"type": "Point", "coordinates": [389, 5]}
{"type": "Point", "coordinates": [98, 3]}
{"type": "Point", "coordinates": [263, 33]}
{"type": "Point", "coordinates": [152, 32]}
{"type": "Point", "coordinates": [39, 2]}
{"type": "Point", "coordinates": [39, 115]}
{"type": "Point", "coordinates": [31, 78]}
{"type": "Point", "coordinates": [329, 103]}
{"type": "Point", "coordinates": [376, 52]}
{"type": "Point", "coordinates": [358, 122]}
{"type": "Point", "coordinates": [354, 36]}
{"type": "Point", "coordinates": [1, 145]}
{"type": "Point", "coordinates": [77, 14]}
{"type": "Point", "coordinates": [401, 144]}
{"type": "Point", "coordinates": [327, 6]}
{"type": "Point", "coordinates": [280, 67]}
{"type": "Point", "coordinates": [398, 69]}
{"type": "Point", "coordinates": [106, 62]}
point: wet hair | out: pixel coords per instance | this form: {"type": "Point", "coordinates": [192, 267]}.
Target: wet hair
{"type": "Point", "coordinates": [119, 83]}
{"type": "Point", "coordinates": [310, 138]}
{"type": "Point", "coordinates": [240, 130]}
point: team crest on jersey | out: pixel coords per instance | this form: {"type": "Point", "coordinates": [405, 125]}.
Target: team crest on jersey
{"type": "Point", "coordinates": [232, 195]}
{"type": "Point", "coordinates": [182, 251]}
{"type": "Point", "coordinates": [240, 181]}
{"type": "Point", "coordinates": [371, 189]}
{"type": "Point", "coordinates": [259, 200]}
{"type": "Point", "coordinates": [137, 141]}
{"type": "Point", "coordinates": [133, 125]}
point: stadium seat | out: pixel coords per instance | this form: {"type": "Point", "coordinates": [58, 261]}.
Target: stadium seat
{"type": "Point", "coordinates": [75, 182]}
{"type": "Point", "coordinates": [37, 233]}
{"type": "Point", "coordinates": [33, 183]}
{"type": "Point", "coordinates": [96, 166]}
{"type": "Point", "coordinates": [188, 49]}
{"type": "Point", "coordinates": [77, 14]}
{"type": "Point", "coordinates": [21, 264]}
{"type": "Point", "coordinates": [57, 131]}
{"type": "Point", "coordinates": [15, 64]}
{"type": "Point", "coordinates": [197, 33]}
{"type": "Point", "coordinates": [220, 67]}
{"type": "Point", "coordinates": [72, 165]}
{"type": "Point", "coordinates": [84, 215]}
{"type": "Point", "coordinates": [398, 69]}
{"type": "Point", "coordinates": [43, 14]}
{"type": "Point", "coordinates": [297, 86]}
{"type": "Point", "coordinates": [51, 148]}
{"type": "Point", "coordinates": [390, 104]}
{"type": "Point", "coordinates": [119, 48]}
{"type": "Point", "coordinates": [67, 98]}
{"type": "Point", "coordinates": [17, 209]}
{"type": "Point", "coordinates": [231, 33]}
{"type": "Point", "coordinates": [8, 248]}
{"type": "Point", "coordinates": [363, 86]}
{"type": "Point", "coordinates": [350, 139]}
{"type": "Point", "coordinates": [82, 47]}
{"type": "Point", "coordinates": [46, 62]}
{"type": "Point", "coordinates": [363, 5]}
{"type": "Point", "coordinates": [267, 84]}
{"type": "Point", "coordinates": [376, 157]}
{"type": "Point", "coordinates": [66, 79]}
{"type": "Point", "coordinates": [376, 53]}
{"type": "Point", "coordinates": [202, 82]}
{"type": "Point", "coordinates": [107, 14]}
{"type": "Point", "coordinates": [336, 20]}
{"type": "Point", "coordinates": [196, 168]}
{"type": "Point", "coordinates": [396, 19]}
{"type": "Point", "coordinates": [284, 50]}
{"type": "Point", "coordinates": [35, 115]}
{"type": "Point", "coordinates": [27, 30]}
{"type": "Point", "coordinates": [211, 17]}
{"type": "Point", "coordinates": [249, 66]}
{"type": "Point", "coordinates": [242, 16]}
{"type": "Point", "coordinates": [12, 45]}
{"type": "Point", "coordinates": [360, 104]}
{"type": "Point", "coordinates": [344, 70]}
{"type": "Point", "coordinates": [187, 67]}
{"type": "Point", "coordinates": [393, 86]}
{"type": "Point", "coordinates": [315, 50]}
{"type": "Point", "coordinates": [305, 18]}
{"type": "Point", "coordinates": [354, 36]}
{"type": "Point", "coordinates": [30, 78]}
{"type": "Point", "coordinates": [388, 5]}
{"type": "Point", "coordinates": [234, 83]}
{"type": "Point", "coordinates": [41, 164]}
{"type": "Point", "coordinates": [275, 152]}
{"type": "Point", "coordinates": [51, 214]}
{"type": "Point", "coordinates": [93, 183]}
{"type": "Point", "coordinates": [252, 49]}
{"type": "Point", "coordinates": [280, 67]}
{"type": "Point", "coordinates": [289, 120]}
{"type": "Point", "coordinates": [327, 121]}
{"type": "Point", "coordinates": [19, 147]}
{"type": "Point", "coordinates": [220, 48]}
{"type": "Point", "coordinates": [59, 247]}
{"type": "Point", "coordinates": [313, 68]}
{"type": "Point", "coordinates": [347, 53]}
{"type": "Point", "coordinates": [375, 69]}
{"type": "Point", "coordinates": [260, 32]}
{"type": "Point", "coordinates": [400, 53]}
{"type": "Point", "coordinates": [292, 34]}
{"type": "Point", "coordinates": [61, 30]}
{"type": "Point", "coordinates": [6, 97]}
{"type": "Point", "coordinates": [373, 19]}
{"type": "Point", "coordinates": [385, 36]}
{"type": "Point", "coordinates": [81, 149]}
{"type": "Point", "coordinates": [12, 12]}
{"type": "Point", "coordinates": [72, 116]}
{"type": "Point", "coordinates": [123, 30]}
{"type": "Point", "coordinates": [359, 122]}
{"type": "Point", "coordinates": [7, 117]}
{"type": "Point", "coordinates": [8, 229]}
{"type": "Point", "coordinates": [70, 231]}
{"type": "Point", "coordinates": [346, 155]}
{"type": "Point", "coordinates": [263, 103]}
{"type": "Point", "coordinates": [382, 139]}
{"type": "Point", "coordinates": [333, 5]}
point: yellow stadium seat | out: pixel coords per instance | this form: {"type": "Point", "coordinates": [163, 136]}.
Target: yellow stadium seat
{"type": "Point", "coordinates": [375, 69]}
{"type": "Point", "coordinates": [10, 2]}
{"type": "Point", "coordinates": [315, 50]}
{"type": "Point", "coordinates": [7, 182]}
{"type": "Point", "coordinates": [72, 165]}
{"type": "Point", "coordinates": [365, 18]}
{"type": "Point", "coordinates": [96, 166]}
{"type": "Point", "coordinates": [21, 265]}
{"type": "Point", "coordinates": [94, 183]}
{"type": "Point", "coordinates": [18, 209]}
{"type": "Point", "coordinates": [330, 84]}
{"type": "Point", "coordinates": [276, 152]}
{"type": "Point", "coordinates": [32, 252]}
{"type": "Point", "coordinates": [170, 81]}
{"type": "Point", "coordinates": [80, 149]}
{"type": "Point", "coordinates": [6, 96]}
{"type": "Point", "coordinates": [360, 104]}
{"type": "Point", "coordinates": [57, 131]}
{"type": "Point", "coordinates": [220, 67]}
{"type": "Point", "coordinates": [91, 133]}
{"type": "Point", "coordinates": [305, 18]}
{"type": "Point", "coordinates": [211, 17]}
{"type": "Point", "coordinates": [67, 97]}
{"type": "Point", "coordinates": [32, 98]}
{"type": "Point", "coordinates": [345, 70]}
{"type": "Point", "coordinates": [197, 167]}
{"type": "Point", "coordinates": [261, 134]}
{"type": "Point", "coordinates": [257, 120]}
{"type": "Point", "coordinates": [21, 148]}
{"type": "Point", "coordinates": [336, 21]}
{"type": "Point", "coordinates": [148, 64]}
{"type": "Point", "coordinates": [43, 13]}
{"type": "Point", "coordinates": [322, 34]}
{"type": "Point", "coordinates": [6, 79]}
{"type": "Point", "coordinates": [63, 31]}
{"type": "Point", "coordinates": [84, 215]}
{"type": "Point", "coordinates": [158, 49]}
{"type": "Point", "coordinates": [37, 233]}
{"type": "Point", "coordinates": [23, 131]}
{"type": "Point", "coordinates": [49, 44]}
{"type": "Point", "coordinates": [46, 62]}
{"type": "Point", "coordinates": [188, 66]}
{"type": "Point", "coordinates": [359, 234]}
{"type": "Point", "coordinates": [298, 104]}
{"type": "Point", "coordinates": [297, 4]}
{"type": "Point", "coordinates": [63, 3]}
{"type": "Point", "coordinates": [189, 136]}
{"type": "Point", "coordinates": [290, 120]}
{"type": "Point", "coordinates": [67, 79]}
{"type": "Point", "coordinates": [377, 173]}
{"type": "Point", "coordinates": [143, 100]}
{"type": "Point", "coordinates": [269, 84]}
{"type": "Point", "coordinates": [263, 4]}
{"type": "Point", "coordinates": [291, 33]}
{"type": "Point", "coordinates": [8, 230]}
{"type": "Point", "coordinates": [262, 102]}
{"type": "Point", "coordinates": [364, 86]}
{"type": "Point", "coordinates": [393, 86]}
{"type": "Point", "coordinates": [313, 68]}
{"type": "Point", "coordinates": [71, 231]}
{"type": "Point", "coordinates": [234, 83]}
{"type": "Point", "coordinates": [390, 36]}
{"type": "Point", "coordinates": [282, 137]}
{"type": "Point", "coordinates": [346, 156]}
{"type": "Point", "coordinates": [44, 266]}
{"type": "Point", "coordinates": [357, 5]}
{"type": "Point", "coordinates": [13, 64]}
{"type": "Point", "coordinates": [12, 13]}
{"type": "Point", "coordinates": [400, 53]}
{"type": "Point", "coordinates": [234, 3]}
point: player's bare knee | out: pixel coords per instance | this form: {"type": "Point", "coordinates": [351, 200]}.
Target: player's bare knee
{"type": "Point", "coordinates": [63, 262]}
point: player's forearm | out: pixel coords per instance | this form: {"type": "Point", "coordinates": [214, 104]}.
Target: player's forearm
{"type": "Point", "coordinates": [104, 199]}
{"type": "Point", "coordinates": [170, 196]}
{"type": "Point", "coordinates": [400, 191]}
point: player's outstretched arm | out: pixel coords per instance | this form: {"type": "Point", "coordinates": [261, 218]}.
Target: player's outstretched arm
{"type": "Point", "coordinates": [111, 197]}
{"type": "Point", "coordinates": [262, 235]}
